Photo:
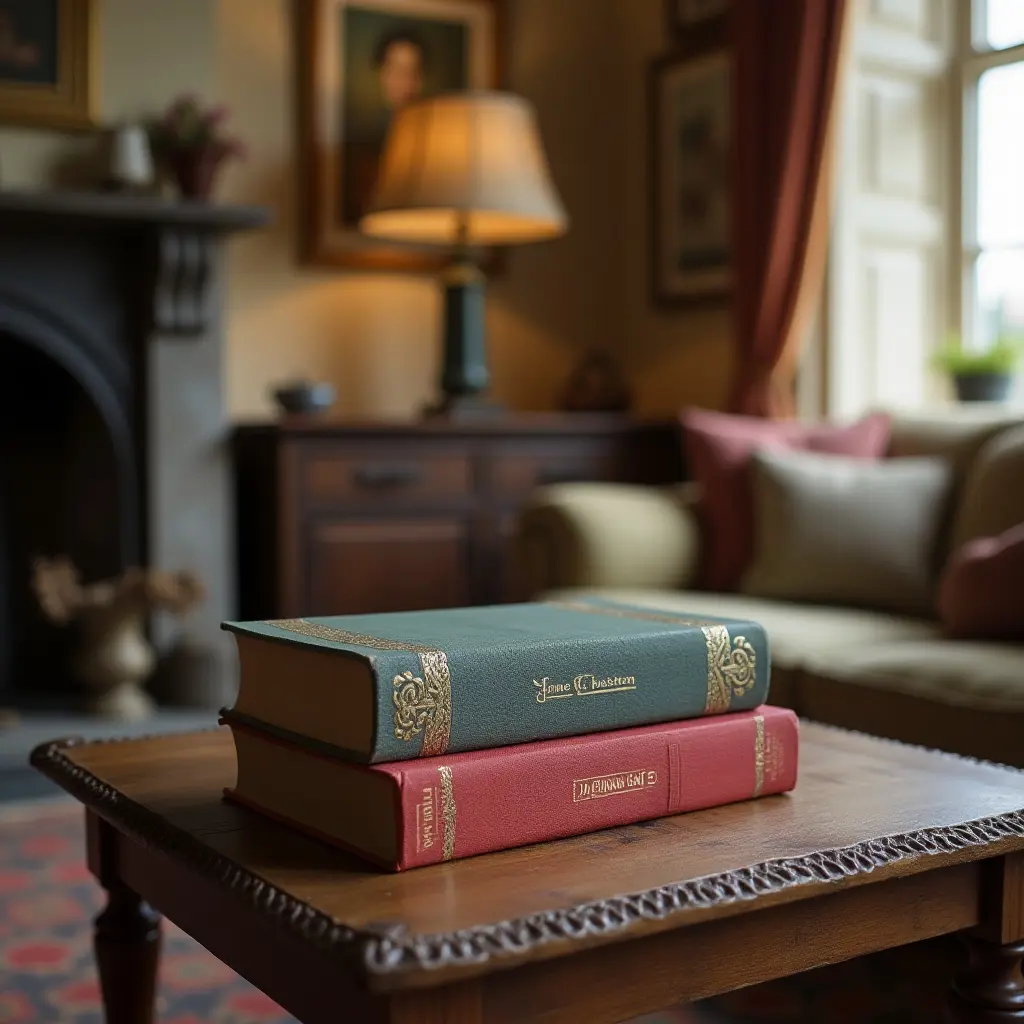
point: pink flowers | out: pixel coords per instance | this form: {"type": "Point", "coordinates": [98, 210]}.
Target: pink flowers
{"type": "Point", "coordinates": [191, 144]}
{"type": "Point", "coordinates": [187, 127]}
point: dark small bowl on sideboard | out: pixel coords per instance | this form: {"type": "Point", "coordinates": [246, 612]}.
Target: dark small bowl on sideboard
{"type": "Point", "coordinates": [305, 399]}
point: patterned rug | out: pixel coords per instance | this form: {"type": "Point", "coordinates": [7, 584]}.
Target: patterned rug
{"type": "Point", "coordinates": [47, 975]}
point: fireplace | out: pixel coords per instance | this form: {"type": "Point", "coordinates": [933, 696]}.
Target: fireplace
{"type": "Point", "coordinates": [112, 427]}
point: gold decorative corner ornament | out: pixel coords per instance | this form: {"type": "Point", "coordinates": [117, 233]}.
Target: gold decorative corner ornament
{"type": "Point", "coordinates": [423, 704]}
{"type": "Point", "coordinates": [732, 668]}
{"type": "Point", "coordinates": [447, 811]}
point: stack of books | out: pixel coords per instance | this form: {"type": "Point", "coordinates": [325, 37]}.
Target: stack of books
{"type": "Point", "coordinates": [416, 737]}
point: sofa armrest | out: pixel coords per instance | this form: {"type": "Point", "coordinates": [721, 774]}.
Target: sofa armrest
{"type": "Point", "coordinates": [608, 535]}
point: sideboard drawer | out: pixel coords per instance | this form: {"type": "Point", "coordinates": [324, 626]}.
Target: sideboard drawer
{"type": "Point", "coordinates": [518, 473]}
{"type": "Point", "coordinates": [386, 476]}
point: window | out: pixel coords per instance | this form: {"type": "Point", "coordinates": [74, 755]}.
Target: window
{"type": "Point", "coordinates": [928, 228]}
{"type": "Point", "coordinates": [998, 23]}
{"type": "Point", "coordinates": [993, 172]}
{"type": "Point", "coordinates": [888, 303]}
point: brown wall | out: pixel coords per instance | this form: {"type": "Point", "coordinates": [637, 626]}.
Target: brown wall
{"type": "Point", "coordinates": [582, 62]}
{"type": "Point", "coordinates": [675, 357]}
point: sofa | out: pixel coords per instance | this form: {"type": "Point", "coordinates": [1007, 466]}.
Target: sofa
{"type": "Point", "coordinates": [857, 667]}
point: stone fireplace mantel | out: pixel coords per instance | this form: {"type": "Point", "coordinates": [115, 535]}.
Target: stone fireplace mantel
{"type": "Point", "coordinates": [116, 299]}
{"type": "Point", "coordinates": [184, 236]}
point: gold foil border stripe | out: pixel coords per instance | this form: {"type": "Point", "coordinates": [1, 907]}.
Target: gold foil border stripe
{"type": "Point", "coordinates": [342, 636]}
{"type": "Point", "coordinates": [716, 639]}
{"type": "Point", "coordinates": [422, 705]}
{"type": "Point", "coordinates": [447, 811]}
{"type": "Point", "coordinates": [439, 682]}
{"type": "Point", "coordinates": [732, 670]}
{"type": "Point", "coordinates": [758, 754]}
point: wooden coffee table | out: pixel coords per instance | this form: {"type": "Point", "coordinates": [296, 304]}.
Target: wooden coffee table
{"type": "Point", "coordinates": [880, 845]}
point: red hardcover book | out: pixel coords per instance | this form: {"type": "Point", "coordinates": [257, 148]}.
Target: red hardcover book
{"type": "Point", "coordinates": [406, 814]}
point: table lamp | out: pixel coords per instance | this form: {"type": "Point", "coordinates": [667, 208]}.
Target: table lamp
{"type": "Point", "coordinates": [464, 170]}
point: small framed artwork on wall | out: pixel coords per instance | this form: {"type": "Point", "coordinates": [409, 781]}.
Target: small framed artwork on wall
{"type": "Point", "coordinates": [360, 61]}
{"type": "Point", "coordinates": [47, 63]}
{"type": "Point", "coordinates": [690, 158]}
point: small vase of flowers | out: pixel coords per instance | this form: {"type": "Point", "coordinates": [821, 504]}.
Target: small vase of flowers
{"type": "Point", "coordinates": [190, 142]}
{"type": "Point", "coordinates": [980, 375]}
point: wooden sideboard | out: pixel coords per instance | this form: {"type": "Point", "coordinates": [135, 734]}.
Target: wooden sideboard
{"type": "Point", "coordinates": [338, 518]}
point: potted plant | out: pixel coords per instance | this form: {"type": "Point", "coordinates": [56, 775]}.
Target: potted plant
{"type": "Point", "coordinates": [980, 375]}
{"type": "Point", "coordinates": [191, 144]}
{"type": "Point", "coordinates": [114, 655]}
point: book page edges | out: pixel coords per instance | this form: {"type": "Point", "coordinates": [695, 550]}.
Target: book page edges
{"type": "Point", "coordinates": [306, 690]}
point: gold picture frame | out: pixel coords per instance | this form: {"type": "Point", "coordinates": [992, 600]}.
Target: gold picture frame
{"type": "Point", "coordinates": [47, 63]}
{"type": "Point", "coordinates": [332, 165]}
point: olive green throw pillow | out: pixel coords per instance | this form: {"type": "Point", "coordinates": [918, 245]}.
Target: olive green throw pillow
{"type": "Point", "coordinates": [838, 530]}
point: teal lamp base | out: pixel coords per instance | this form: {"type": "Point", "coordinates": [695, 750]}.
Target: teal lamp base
{"type": "Point", "coordinates": [465, 376]}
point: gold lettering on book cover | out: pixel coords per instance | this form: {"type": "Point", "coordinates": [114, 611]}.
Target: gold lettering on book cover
{"type": "Point", "coordinates": [584, 685]}
{"type": "Point", "coordinates": [423, 703]}
{"type": "Point", "coordinates": [774, 757]}
{"type": "Point", "coordinates": [732, 668]}
{"type": "Point", "coordinates": [426, 819]}
{"type": "Point", "coordinates": [615, 784]}
{"type": "Point", "coordinates": [758, 754]}
{"type": "Point", "coordinates": [732, 663]}
{"type": "Point", "coordinates": [447, 811]}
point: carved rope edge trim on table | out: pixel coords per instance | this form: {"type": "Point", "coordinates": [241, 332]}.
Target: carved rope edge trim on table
{"type": "Point", "coordinates": [389, 949]}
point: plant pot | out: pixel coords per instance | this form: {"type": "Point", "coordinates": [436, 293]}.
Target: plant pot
{"type": "Point", "coordinates": [195, 172]}
{"type": "Point", "coordinates": [114, 659]}
{"type": "Point", "coordinates": [982, 387]}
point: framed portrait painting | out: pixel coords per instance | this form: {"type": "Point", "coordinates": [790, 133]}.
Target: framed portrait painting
{"type": "Point", "coordinates": [691, 160]}
{"type": "Point", "coordinates": [362, 60]}
{"type": "Point", "coordinates": [47, 63]}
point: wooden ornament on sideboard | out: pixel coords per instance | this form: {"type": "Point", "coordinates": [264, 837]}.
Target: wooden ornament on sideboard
{"type": "Point", "coordinates": [339, 518]}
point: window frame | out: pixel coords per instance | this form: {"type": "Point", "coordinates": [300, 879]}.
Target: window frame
{"type": "Point", "coordinates": [974, 57]}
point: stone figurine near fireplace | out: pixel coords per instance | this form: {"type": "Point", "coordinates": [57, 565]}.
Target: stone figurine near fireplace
{"type": "Point", "coordinates": [113, 657]}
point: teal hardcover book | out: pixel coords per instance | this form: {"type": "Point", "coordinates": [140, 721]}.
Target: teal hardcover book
{"type": "Point", "coordinates": [401, 685]}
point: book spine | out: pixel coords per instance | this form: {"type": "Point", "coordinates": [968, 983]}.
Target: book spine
{"type": "Point", "coordinates": [446, 701]}
{"type": "Point", "coordinates": [538, 792]}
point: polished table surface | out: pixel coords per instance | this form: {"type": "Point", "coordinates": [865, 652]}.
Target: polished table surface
{"type": "Point", "coordinates": [879, 845]}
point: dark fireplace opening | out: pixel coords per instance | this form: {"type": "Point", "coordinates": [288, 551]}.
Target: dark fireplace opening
{"type": "Point", "coordinates": [112, 425]}
{"type": "Point", "coordinates": [63, 491]}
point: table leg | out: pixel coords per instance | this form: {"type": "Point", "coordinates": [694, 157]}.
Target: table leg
{"type": "Point", "coordinates": [126, 938]}
{"type": "Point", "coordinates": [990, 990]}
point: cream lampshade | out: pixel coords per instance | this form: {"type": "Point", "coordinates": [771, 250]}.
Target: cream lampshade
{"type": "Point", "coordinates": [464, 170]}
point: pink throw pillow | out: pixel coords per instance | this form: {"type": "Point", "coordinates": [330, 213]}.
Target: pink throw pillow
{"type": "Point", "coordinates": [981, 593]}
{"type": "Point", "coordinates": [718, 449]}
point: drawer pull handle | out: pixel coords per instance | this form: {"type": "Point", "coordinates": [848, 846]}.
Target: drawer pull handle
{"type": "Point", "coordinates": [387, 476]}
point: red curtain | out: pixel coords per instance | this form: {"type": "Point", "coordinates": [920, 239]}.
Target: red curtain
{"type": "Point", "coordinates": [788, 59]}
